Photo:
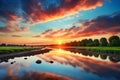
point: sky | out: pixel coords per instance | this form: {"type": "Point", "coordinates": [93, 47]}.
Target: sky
{"type": "Point", "coordinates": [57, 21]}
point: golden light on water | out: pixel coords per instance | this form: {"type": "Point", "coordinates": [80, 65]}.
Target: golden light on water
{"type": "Point", "coordinates": [60, 50]}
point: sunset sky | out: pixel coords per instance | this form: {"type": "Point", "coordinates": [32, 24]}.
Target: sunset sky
{"type": "Point", "coordinates": [57, 21]}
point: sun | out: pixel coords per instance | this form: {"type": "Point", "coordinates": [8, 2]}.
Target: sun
{"type": "Point", "coordinates": [59, 42]}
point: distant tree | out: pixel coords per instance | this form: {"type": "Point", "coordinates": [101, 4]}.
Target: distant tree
{"type": "Point", "coordinates": [90, 42]}
{"type": "Point", "coordinates": [73, 43]}
{"type": "Point", "coordinates": [3, 44]}
{"type": "Point", "coordinates": [96, 42]}
{"type": "Point", "coordinates": [103, 42]}
{"type": "Point", "coordinates": [114, 41]}
{"type": "Point", "coordinates": [24, 45]}
{"type": "Point", "coordinates": [84, 42]}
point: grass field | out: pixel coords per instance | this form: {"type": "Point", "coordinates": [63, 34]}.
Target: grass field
{"type": "Point", "coordinates": [102, 49]}
{"type": "Point", "coordinates": [6, 49]}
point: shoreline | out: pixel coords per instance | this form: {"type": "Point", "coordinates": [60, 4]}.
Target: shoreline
{"type": "Point", "coordinates": [87, 51]}
{"type": "Point", "coordinates": [6, 57]}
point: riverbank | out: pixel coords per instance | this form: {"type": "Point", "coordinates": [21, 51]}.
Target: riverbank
{"type": "Point", "coordinates": [6, 57]}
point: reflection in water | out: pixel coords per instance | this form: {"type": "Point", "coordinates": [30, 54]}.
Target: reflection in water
{"type": "Point", "coordinates": [59, 64]}
{"type": "Point", "coordinates": [25, 58]}
{"type": "Point", "coordinates": [5, 58]}
{"type": "Point", "coordinates": [38, 61]}
{"type": "Point", "coordinates": [30, 74]}
{"type": "Point", "coordinates": [98, 67]}
{"type": "Point", "coordinates": [114, 57]}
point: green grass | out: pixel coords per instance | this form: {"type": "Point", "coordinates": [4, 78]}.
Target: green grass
{"type": "Point", "coordinates": [7, 49]}
{"type": "Point", "coordinates": [102, 49]}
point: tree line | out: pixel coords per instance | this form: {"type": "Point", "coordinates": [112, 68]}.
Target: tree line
{"type": "Point", "coordinates": [112, 41]}
{"type": "Point", "coordinates": [4, 44]}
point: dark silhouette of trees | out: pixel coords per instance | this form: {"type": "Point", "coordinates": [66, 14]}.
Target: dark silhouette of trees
{"type": "Point", "coordinates": [114, 41]}
{"type": "Point", "coordinates": [103, 42]}
{"type": "Point", "coordinates": [84, 42]}
{"type": "Point", "coordinates": [90, 42]}
{"type": "Point", "coordinates": [3, 44]}
{"type": "Point", "coordinates": [96, 42]}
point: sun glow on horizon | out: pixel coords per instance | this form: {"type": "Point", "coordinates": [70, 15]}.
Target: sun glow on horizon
{"type": "Point", "coordinates": [59, 41]}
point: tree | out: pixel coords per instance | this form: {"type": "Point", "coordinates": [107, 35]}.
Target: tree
{"type": "Point", "coordinates": [114, 41]}
{"type": "Point", "coordinates": [103, 42]}
{"type": "Point", "coordinates": [90, 42]}
{"type": "Point", "coordinates": [96, 42]}
{"type": "Point", "coordinates": [84, 42]}
{"type": "Point", "coordinates": [3, 44]}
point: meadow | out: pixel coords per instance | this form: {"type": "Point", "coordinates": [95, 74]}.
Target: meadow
{"type": "Point", "coordinates": [11, 49]}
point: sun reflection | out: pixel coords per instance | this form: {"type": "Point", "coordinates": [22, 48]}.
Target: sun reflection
{"type": "Point", "coordinates": [60, 50]}
{"type": "Point", "coordinates": [76, 60]}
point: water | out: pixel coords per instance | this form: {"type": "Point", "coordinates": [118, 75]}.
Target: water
{"type": "Point", "coordinates": [59, 64]}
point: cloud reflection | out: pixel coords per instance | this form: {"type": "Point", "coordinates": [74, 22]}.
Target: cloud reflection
{"type": "Point", "coordinates": [14, 72]}
{"type": "Point", "coordinates": [101, 68]}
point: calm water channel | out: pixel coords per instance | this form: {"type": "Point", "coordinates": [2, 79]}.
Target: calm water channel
{"type": "Point", "coordinates": [59, 64]}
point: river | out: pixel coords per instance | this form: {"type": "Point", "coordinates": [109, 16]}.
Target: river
{"type": "Point", "coordinates": [59, 64]}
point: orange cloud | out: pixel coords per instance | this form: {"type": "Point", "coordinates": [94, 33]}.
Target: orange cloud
{"type": "Point", "coordinates": [100, 26]}
{"type": "Point", "coordinates": [12, 25]}
{"type": "Point", "coordinates": [67, 7]}
{"type": "Point", "coordinates": [33, 12]}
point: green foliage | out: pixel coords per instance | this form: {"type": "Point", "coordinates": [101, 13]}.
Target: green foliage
{"type": "Point", "coordinates": [96, 42]}
{"type": "Point", "coordinates": [103, 42]}
{"type": "Point", "coordinates": [84, 42]}
{"type": "Point", "coordinates": [90, 42]}
{"type": "Point", "coordinates": [114, 41]}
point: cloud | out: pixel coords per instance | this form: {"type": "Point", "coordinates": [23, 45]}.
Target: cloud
{"type": "Point", "coordinates": [47, 10]}
{"type": "Point", "coordinates": [12, 25]}
{"type": "Point", "coordinates": [11, 29]}
{"type": "Point", "coordinates": [38, 11]}
{"type": "Point", "coordinates": [101, 25]}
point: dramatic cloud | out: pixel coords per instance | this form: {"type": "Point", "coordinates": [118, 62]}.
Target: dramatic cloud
{"type": "Point", "coordinates": [38, 11]}
{"type": "Point", "coordinates": [99, 26]}
{"type": "Point", "coordinates": [12, 25]}
{"type": "Point", "coordinates": [10, 29]}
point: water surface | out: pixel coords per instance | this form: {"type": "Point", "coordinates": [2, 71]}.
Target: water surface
{"type": "Point", "coordinates": [59, 64]}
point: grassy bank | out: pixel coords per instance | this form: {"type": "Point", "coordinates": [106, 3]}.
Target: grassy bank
{"type": "Point", "coordinates": [102, 49]}
{"type": "Point", "coordinates": [8, 49]}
